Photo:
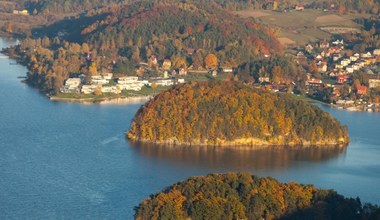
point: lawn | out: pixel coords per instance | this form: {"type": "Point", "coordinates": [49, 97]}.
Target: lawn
{"type": "Point", "coordinates": [301, 26]}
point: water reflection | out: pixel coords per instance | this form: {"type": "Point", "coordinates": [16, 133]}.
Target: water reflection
{"type": "Point", "coordinates": [239, 158]}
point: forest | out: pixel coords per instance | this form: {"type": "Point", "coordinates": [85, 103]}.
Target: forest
{"type": "Point", "coordinates": [192, 35]}
{"type": "Point", "coordinates": [244, 196]}
{"type": "Point", "coordinates": [230, 113]}
{"type": "Point", "coordinates": [70, 6]}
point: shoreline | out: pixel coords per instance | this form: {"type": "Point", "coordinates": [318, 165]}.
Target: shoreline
{"type": "Point", "coordinates": [104, 101]}
{"type": "Point", "coordinates": [255, 143]}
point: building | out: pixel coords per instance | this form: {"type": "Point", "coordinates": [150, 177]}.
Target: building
{"type": "Point", "coordinates": [182, 71]}
{"type": "Point", "coordinates": [300, 7]}
{"type": "Point", "coordinates": [373, 83]}
{"type": "Point", "coordinates": [99, 80]}
{"type": "Point", "coordinates": [163, 82]}
{"type": "Point", "coordinates": [107, 76]}
{"type": "Point", "coordinates": [131, 83]}
{"type": "Point", "coordinates": [324, 44]}
{"type": "Point", "coordinates": [376, 52]}
{"type": "Point", "coordinates": [71, 85]}
{"type": "Point", "coordinates": [127, 79]}
{"type": "Point", "coordinates": [21, 12]}
{"type": "Point", "coordinates": [361, 90]}
{"type": "Point", "coordinates": [88, 89]}
{"type": "Point", "coordinates": [111, 89]}
{"type": "Point", "coordinates": [314, 83]}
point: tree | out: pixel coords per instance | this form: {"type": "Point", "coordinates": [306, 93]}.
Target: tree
{"type": "Point", "coordinates": [93, 69]}
{"type": "Point", "coordinates": [211, 61]}
{"type": "Point", "coordinates": [153, 85]}
{"type": "Point", "coordinates": [98, 91]}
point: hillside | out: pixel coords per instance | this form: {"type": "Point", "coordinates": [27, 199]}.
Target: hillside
{"type": "Point", "coordinates": [121, 37]}
{"type": "Point", "coordinates": [229, 113]}
{"type": "Point", "coordinates": [69, 6]}
{"type": "Point", "coordinates": [168, 30]}
{"type": "Point", "coordinates": [243, 196]}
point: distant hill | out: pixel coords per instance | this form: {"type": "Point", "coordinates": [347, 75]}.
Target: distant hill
{"type": "Point", "coordinates": [230, 113]}
{"type": "Point", "coordinates": [243, 196]}
{"type": "Point", "coordinates": [77, 6]}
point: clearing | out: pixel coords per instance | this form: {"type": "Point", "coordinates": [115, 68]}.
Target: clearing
{"type": "Point", "coordinates": [301, 27]}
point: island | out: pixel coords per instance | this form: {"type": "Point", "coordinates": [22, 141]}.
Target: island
{"type": "Point", "coordinates": [244, 196]}
{"type": "Point", "coordinates": [220, 113]}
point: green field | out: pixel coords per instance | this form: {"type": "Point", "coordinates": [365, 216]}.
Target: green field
{"type": "Point", "coordinates": [300, 27]}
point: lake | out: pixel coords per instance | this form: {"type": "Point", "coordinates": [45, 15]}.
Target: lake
{"type": "Point", "coordinates": [72, 161]}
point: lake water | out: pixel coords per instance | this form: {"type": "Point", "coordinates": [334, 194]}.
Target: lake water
{"type": "Point", "coordinates": [72, 161]}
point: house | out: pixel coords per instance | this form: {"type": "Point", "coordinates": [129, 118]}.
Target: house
{"type": "Point", "coordinates": [314, 83]}
{"type": "Point", "coordinates": [264, 79]}
{"type": "Point", "coordinates": [318, 57]}
{"type": "Point", "coordinates": [350, 69]}
{"type": "Point", "coordinates": [182, 71]}
{"type": "Point", "coordinates": [98, 80]}
{"type": "Point", "coordinates": [361, 90]}
{"type": "Point", "coordinates": [345, 62]}
{"type": "Point", "coordinates": [167, 64]}
{"type": "Point", "coordinates": [227, 69]}
{"type": "Point", "coordinates": [366, 55]}
{"type": "Point", "coordinates": [354, 58]}
{"type": "Point", "coordinates": [309, 48]}
{"type": "Point", "coordinates": [338, 42]}
{"type": "Point", "coordinates": [214, 72]}
{"type": "Point", "coordinates": [338, 66]}
{"type": "Point", "coordinates": [325, 53]}
{"type": "Point", "coordinates": [300, 7]}
{"type": "Point", "coordinates": [153, 59]}
{"type": "Point", "coordinates": [374, 83]}
{"type": "Point", "coordinates": [163, 82]}
{"type": "Point", "coordinates": [88, 89]}
{"type": "Point", "coordinates": [21, 12]}
{"type": "Point", "coordinates": [324, 44]}
{"type": "Point", "coordinates": [336, 57]}
{"type": "Point", "coordinates": [355, 66]}
{"type": "Point", "coordinates": [376, 52]}
{"type": "Point", "coordinates": [107, 76]}
{"type": "Point", "coordinates": [341, 79]}
{"type": "Point", "coordinates": [111, 89]}
{"type": "Point", "coordinates": [323, 67]}
{"type": "Point", "coordinates": [127, 79]}
{"type": "Point", "coordinates": [181, 80]}
{"type": "Point", "coordinates": [71, 85]}
{"type": "Point", "coordinates": [190, 51]}
{"type": "Point", "coordinates": [73, 82]}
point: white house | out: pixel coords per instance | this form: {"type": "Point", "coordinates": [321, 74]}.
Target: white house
{"type": "Point", "coordinates": [88, 89]}
{"type": "Point", "coordinates": [127, 79]}
{"type": "Point", "coordinates": [98, 80]}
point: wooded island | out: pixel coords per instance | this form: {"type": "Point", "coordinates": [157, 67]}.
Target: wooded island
{"type": "Point", "coordinates": [222, 113]}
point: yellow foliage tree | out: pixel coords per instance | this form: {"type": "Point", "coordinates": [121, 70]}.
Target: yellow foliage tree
{"type": "Point", "coordinates": [211, 61]}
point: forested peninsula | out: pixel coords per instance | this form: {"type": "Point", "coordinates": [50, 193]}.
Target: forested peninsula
{"type": "Point", "coordinates": [243, 196]}
{"type": "Point", "coordinates": [222, 113]}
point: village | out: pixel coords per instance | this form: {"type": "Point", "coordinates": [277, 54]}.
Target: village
{"type": "Point", "coordinates": [338, 70]}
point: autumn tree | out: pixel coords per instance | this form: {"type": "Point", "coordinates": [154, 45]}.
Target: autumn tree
{"type": "Point", "coordinates": [211, 61]}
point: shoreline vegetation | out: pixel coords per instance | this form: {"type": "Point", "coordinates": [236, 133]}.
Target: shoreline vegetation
{"type": "Point", "coordinates": [104, 100]}
{"type": "Point", "coordinates": [216, 113]}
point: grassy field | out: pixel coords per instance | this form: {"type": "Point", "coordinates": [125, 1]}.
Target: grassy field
{"type": "Point", "coordinates": [300, 27]}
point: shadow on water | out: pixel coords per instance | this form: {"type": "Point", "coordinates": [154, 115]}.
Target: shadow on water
{"type": "Point", "coordinates": [280, 157]}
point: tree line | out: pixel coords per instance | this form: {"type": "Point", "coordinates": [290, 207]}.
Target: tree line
{"type": "Point", "coordinates": [244, 196]}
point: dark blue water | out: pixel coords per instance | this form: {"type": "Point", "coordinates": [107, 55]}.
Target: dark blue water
{"type": "Point", "coordinates": [71, 161]}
